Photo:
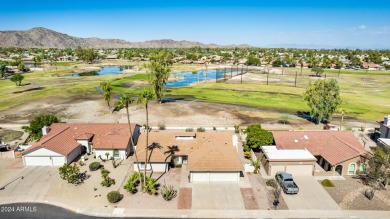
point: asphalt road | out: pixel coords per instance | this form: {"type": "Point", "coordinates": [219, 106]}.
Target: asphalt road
{"type": "Point", "coordinates": [36, 210]}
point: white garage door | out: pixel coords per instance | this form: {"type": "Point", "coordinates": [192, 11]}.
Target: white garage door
{"type": "Point", "coordinates": [275, 169]}
{"type": "Point", "coordinates": [38, 161]}
{"type": "Point", "coordinates": [300, 169]}
{"type": "Point", "coordinates": [224, 177]}
{"type": "Point", "coordinates": [58, 161]}
{"type": "Point", "coordinates": [200, 177]}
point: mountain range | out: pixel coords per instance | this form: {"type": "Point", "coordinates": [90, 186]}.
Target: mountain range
{"type": "Point", "coordinates": [40, 37]}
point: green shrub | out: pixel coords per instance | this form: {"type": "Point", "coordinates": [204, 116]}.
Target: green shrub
{"type": "Point", "coordinates": [246, 148]}
{"type": "Point", "coordinates": [161, 126]}
{"type": "Point", "coordinates": [107, 181]}
{"type": "Point", "coordinates": [362, 128]}
{"type": "Point", "coordinates": [271, 182]}
{"type": "Point", "coordinates": [236, 128]}
{"type": "Point", "coordinates": [189, 129]}
{"type": "Point", "coordinates": [247, 155]}
{"type": "Point", "coordinates": [327, 183]}
{"type": "Point", "coordinates": [349, 128]}
{"type": "Point", "coordinates": [200, 129]}
{"type": "Point", "coordinates": [284, 119]}
{"type": "Point", "coordinates": [94, 166]}
{"type": "Point", "coordinates": [114, 196]}
{"type": "Point", "coordinates": [168, 192]}
{"type": "Point", "coordinates": [178, 165]}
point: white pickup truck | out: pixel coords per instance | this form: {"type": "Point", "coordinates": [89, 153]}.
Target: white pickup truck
{"type": "Point", "coordinates": [287, 183]}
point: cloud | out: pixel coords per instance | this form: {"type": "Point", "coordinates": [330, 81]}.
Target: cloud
{"type": "Point", "coordinates": [362, 27]}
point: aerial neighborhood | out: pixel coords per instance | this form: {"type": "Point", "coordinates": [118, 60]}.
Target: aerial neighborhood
{"type": "Point", "coordinates": [168, 128]}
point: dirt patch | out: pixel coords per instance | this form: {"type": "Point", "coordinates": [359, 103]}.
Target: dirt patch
{"type": "Point", "coordinates": [185, 198]}
{"type": "Point", "coordinates": [173, 113]}
{"type": "Point", "coordinates": [249, 199]}
{"type": "Point", "coordinates": [344, 193]}
{"type": "Point", "coordinates": [10, 135]}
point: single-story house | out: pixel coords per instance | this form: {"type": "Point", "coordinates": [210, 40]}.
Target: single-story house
{"type": "Point", "coordinates": [294, 161]}
{"type": "Point", "coordinates": [384, 128]}
{"type": "Point", "coordinates": [208, 156]}
{"type": "Point", "coordinates": [63, 143]}
{"type": "Point", "coordinates": [336, 152]}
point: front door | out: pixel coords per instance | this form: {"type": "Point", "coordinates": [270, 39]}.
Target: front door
{"type": "Point", "coordinates": [339, 170]}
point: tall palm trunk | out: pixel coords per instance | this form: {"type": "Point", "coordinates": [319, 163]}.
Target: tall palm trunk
{"type": "Point", "coordinates": [147, 142]}
{"type": "Point", "coordinates": [131, 138]}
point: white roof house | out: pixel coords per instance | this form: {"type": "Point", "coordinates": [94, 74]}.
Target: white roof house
{"type": "Point", "coordinates": [294, 154]}
{"type": "Point", "coordinates": [293, 161]}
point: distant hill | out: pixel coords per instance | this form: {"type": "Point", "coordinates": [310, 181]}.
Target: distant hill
{"type": "Point", "coordinates": [40, 37]}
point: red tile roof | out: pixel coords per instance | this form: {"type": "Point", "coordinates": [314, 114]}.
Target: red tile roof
{"type": "Point", "coordinates": [334, 146]}
{"type": "Point", "coordinates": [62, 138]}
{"type": "Point", "coordinates": [207, 151]}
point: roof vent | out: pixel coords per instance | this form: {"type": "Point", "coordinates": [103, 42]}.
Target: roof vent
{"type": "Point", "coordinates": [305, 137]}
{"type": "Point", "coordinates": [296, 141]}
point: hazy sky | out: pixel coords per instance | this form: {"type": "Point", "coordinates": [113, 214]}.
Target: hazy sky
{"type": "Point", "coordinates": [329, 23]}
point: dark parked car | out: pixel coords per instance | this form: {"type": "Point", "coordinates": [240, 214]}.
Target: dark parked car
{"type": "Point", "coordinates": [287, 183]}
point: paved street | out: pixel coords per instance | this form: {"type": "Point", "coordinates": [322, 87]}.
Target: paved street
{"type": "Point", "coordinates": [311, 196]}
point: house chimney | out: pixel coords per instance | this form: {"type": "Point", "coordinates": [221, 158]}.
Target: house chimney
{"type": "Point", "coordinates": [45, 130]}
{"type": "Point", "coordinates": [386, 121]}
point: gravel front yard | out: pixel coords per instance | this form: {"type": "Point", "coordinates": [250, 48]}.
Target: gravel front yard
{"type": "Point", "coordinates": [349, 194]}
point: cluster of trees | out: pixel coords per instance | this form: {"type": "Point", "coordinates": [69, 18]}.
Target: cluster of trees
{"type": "Point", "coordinates": [280, 56]}
{"type": "Point", "coordinates": [34, 129]}
{"type": "Point", "coordinates": [87, 55]}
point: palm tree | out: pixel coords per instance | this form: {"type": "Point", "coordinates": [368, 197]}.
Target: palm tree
{"type": "Point", "coordinates": [342, 112]}
{"type": "Point", "coordinates": [256, 164]}
{"type": "Point", "coordinates": [106, 88]}
{"type": "Point", "coordinates": [143, 97]}
{"type": "Point", "coordinates": [123, 102]}
{"type": "Point", "coordinates": [301, 63]}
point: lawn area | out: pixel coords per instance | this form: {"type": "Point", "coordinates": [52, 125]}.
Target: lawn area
{"type": "Point", "coordinates": [365, 95]}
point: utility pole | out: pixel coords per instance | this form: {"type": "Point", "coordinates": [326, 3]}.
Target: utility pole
{"type": "Point", "coordinates": [267, 76]}
{"type": "Point", "coordinates": [339, 72]}
{"type": "Point", "coordinates": [231, 71]}
{"type": "Point", "coordinates": [296, 74]}
{"type": "Point", "coordinates": [282, 69]}
{"type": "Point", "coordinates": [325, 76]}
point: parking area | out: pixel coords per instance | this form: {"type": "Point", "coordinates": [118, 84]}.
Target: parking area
{"type": "Point", "coordinates": [311, 196]}
{"type": "Point", "coordinates": [217, 196]}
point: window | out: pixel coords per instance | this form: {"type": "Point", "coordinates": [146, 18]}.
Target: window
{"type": "Point", "coordinates": [351, 169]}
{"type": "Point", "coordinates": [116, 153]}
{"type": "Point", "coordinates": [363, 168]}
{"type": "Point", "coordinates": [142, 166]}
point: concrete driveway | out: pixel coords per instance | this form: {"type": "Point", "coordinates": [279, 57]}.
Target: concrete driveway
{"type": "Point", "coordinates": [311, 196]}
{"type": "Point", "coordinates": [36, 181]}
{"type": "Point", "coordinates": [217, 196]}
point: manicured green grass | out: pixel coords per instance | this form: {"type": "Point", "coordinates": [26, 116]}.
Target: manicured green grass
{"type": "Point", "coordinates": [365, 95]}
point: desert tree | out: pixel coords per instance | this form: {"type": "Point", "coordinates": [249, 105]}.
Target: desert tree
{"type": "Point", "coordinates": [17, 79]}
{"type": "Point", "coordinates": [160, 66]}
{"type": "Point", "coordinates": [323, 98]}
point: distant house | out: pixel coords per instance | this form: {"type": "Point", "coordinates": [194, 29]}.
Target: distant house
{"type": "Point", "coordinates": [372, 66]}
{"type": "Point", "coordinates": [63, 143]}
{"type": "Point", "coordinates": [208, 156]}
{"type": "Point", "coordinates": [336, 152]}
{"type": "Point", "coordinates": [384, 128]}
{"type": "Point", "coordinates": [65, 58]}
{"type": "Point", "coordinates": [186, 61]}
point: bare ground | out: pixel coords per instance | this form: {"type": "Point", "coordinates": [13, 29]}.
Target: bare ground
{"type": "Point", "coordinates": [349, 194]}
{"type": "Point", "coordinates": [172, 114]}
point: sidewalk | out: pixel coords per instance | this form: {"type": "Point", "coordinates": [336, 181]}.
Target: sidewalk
{"type": "Point", "coordinates": [173, 213]}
